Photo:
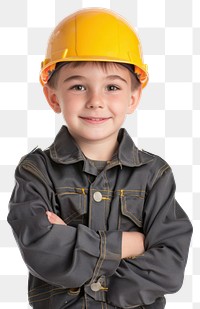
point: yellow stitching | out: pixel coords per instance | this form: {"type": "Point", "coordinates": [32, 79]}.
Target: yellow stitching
{"type": "Point", "coordinates": [74, 214]}
{"type": "Point", "coordinates": [81, 191]}
{"type": "Point", "coordinates": [49, 291]}
{"type": "Point", "coordinates": [101, 259]}
{"type": "Point", "coordinates": [39, 300]}
{"type": "Point", "coordinates": [70, 217]}
{"type": "Point", "coordinates": [86, 303]}
{"type": "Point", "coordinates": [107, 182]}
{"type": "Point", "coordinates": [30, 164]}
{"type": "Point", "coordinates": [160, 171]}
{"type": "Point", "coordinates": [104, 212]}
{"type": "Point", "coordinates": [121, 193]}
{"type": "Point", "coordinates": [45, 284]}
{"type": "Point", "coordinates": [90, 211]}
{"type": "Point", "coordinates": [27, 165]}
{"type": "Point", "coordinates": [77, 188]}
{"type": "Point", "coordinates": [93, 189]}
{"type": "Point", "coordinates": [83, 304]}
{"type": "Point", "coordinates": [119, 222]}
{"type": "Point", "coordinates": [65, 193]}
{"type": "Point", "coordinates": [165, 169]}
{"type": "Point", "coordinates": [138, 196]}
{"type": "Point", "coordinates": [133, 190]}
{"type": "Point", "coordinates": [131, 214]}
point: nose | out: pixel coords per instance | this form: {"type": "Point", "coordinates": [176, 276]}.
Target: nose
{"type": "Point", "coordinates": [94, 100]}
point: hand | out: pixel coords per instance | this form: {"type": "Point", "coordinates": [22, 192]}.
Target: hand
{"type": "Point", "coordinates": [54, 219]}
{"type": "Point", "coordinates": [132, 244]}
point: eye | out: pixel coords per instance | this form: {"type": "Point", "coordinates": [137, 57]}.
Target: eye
{"type": "Point", "coordinates": [112, 88]}
{"type": "Point", "coordinates": [78, 87]}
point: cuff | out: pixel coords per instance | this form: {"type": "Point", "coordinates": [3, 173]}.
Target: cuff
{"type": "Point", "coordinates": [110, 254]}
{"type": "Point", "coordinates": [108, 262]}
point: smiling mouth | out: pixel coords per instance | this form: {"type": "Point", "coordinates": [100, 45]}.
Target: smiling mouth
{"type": "Point", "coordinates": [95, 119]}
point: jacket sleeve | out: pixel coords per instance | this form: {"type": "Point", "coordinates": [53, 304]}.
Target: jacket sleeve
{"type": "Point", "coordinates": [160, 269]}
{"type": "Point", "coordinates": [60, 255]}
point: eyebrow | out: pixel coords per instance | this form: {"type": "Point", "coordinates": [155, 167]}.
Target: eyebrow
{"type": "Point", "coordinates": [116, 77]}
{"type": "Point", "coordinates": [73, 77]}
{"type": "Point", "coordinates": [111, 77]}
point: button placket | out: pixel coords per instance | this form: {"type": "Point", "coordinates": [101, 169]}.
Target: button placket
{"type": "Point", "coordinates": [97, 204]}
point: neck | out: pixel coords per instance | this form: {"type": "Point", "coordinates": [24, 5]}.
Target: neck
{"type": "Point", "coordinates": [101, 151]}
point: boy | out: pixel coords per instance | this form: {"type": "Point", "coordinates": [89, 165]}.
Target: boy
{"type": "Point", "coordinates": [95, 218]}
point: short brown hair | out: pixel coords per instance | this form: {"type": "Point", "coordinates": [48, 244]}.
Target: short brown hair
{"type": "Point", "coordinates": [52, 82]}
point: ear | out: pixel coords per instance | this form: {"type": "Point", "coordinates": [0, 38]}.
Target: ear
{"type": "Point", "coordinates": [134, 100]}
{"type": "Point", "coordinates": [52, 99]}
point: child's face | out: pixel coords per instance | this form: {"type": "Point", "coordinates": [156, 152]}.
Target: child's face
{"type": "Point", "coordinates": [93, 100]}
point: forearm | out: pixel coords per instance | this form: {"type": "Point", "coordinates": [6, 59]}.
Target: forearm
{"type": "Point", "coordinates": [132, 242]}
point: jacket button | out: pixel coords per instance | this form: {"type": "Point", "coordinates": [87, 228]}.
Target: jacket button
{"type": "Point", "coordinates": [96, 286]}
{"type": "Point", "coordinates": [97, 196]}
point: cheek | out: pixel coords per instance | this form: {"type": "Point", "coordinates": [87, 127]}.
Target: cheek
{"type": "Point", "coordinates": [67, 106]}
{"type": "Point", "coordinates": [70, 112]}
{"type": "Point", "coordinates": [120, 107]}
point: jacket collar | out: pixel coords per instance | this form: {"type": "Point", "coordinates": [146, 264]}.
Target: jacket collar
{"type": "Point", "coordinates": [64, 150]}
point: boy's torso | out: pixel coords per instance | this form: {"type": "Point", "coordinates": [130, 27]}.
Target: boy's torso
{"type": "Point", "coordinates": [111, 200]}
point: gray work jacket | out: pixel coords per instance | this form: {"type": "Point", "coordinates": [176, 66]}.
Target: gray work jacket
{"type": "Point", "coordinates": [79, 265]}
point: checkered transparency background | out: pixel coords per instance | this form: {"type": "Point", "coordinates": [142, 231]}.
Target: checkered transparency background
{"type": "Point", "coordinates": [167, 122]}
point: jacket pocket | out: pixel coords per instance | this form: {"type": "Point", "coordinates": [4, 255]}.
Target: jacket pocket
{"type": "Point", "coordinates": [132, 203]}
{"type": "Point", "coordinates": [41, 297]}
{"type": "Point", "coordinates": [47, 296]}
{"type": "Point", "coordinates": [73, 206]}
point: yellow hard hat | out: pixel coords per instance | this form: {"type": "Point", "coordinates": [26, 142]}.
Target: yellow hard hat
{"type": "Point", "coordinates": [94, 34]}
